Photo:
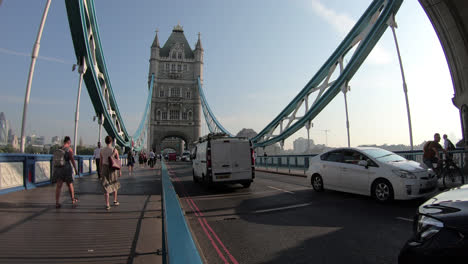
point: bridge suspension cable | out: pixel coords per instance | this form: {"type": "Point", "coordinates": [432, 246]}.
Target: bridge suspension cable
{"type": "Point", "coordinates": [88, 50]}
{"type": "Point", "coordinates": [213, 124]}
{"type": "Point", "coordinates": [321, 89]}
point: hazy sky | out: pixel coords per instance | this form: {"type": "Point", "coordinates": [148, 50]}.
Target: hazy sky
{"type": "Point", "coordinates": [258, 56]}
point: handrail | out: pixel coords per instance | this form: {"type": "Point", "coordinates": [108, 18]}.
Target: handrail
{"type": "Point", "coordinates": [180, 245]}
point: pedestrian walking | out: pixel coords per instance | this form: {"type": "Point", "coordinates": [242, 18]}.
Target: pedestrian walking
{"type": "Point", "coordinates": [109, 176]}
{"type": "Point", "coordinates": [63, 161]}
{"type": "Point", "coordinates": [130, 162]}
{"type": "Point", "coordinates": [97, 158]}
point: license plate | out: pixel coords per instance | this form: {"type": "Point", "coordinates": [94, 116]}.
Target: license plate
{"type": "Point", "coordinates": [224, 176]}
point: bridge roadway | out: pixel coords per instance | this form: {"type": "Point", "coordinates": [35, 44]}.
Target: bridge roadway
{"type": "Point", "coordinates": [280, 219]}
{"type": "Point", "coordinates": [33, 231]}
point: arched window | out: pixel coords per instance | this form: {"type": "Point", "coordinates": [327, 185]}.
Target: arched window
{"type": "Point", "coordinates": [161, 93]}
{"type": "Point", "coordinates": [179, 55]}
{"type": "Point", "coordinates": [158, 114]}
{"type": "Point", "coordinates": [184, 115]}
{"type": "Point", "coordinates": [188, 95]}
{"type": "Point", "coordinates": [174, 55]}
{"type": "Point", "coordinates": [190, 115]}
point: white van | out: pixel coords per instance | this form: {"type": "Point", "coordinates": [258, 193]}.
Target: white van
{"type": "Point", "coordinates": [217, 158]}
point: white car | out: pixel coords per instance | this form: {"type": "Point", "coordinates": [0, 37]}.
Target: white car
{"type": "Point", "coordinates": [371, 171]}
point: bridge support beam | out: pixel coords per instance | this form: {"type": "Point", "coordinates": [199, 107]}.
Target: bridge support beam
{"type": "Point", "coordinates": [450, 21]}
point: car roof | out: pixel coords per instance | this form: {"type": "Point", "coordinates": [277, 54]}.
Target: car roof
{"type": "Point", "coordinates": [352, 148]}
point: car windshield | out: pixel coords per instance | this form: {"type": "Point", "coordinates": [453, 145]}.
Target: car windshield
{"type": "Point", "coordinates": [383, 155]}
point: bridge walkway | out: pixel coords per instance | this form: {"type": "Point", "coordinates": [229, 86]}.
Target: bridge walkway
{"type": "Point", "coordinates": [32, 230]}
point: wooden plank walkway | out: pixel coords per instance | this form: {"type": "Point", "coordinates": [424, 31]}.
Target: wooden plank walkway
{"type": "Point", "coordinates": [33, 231]}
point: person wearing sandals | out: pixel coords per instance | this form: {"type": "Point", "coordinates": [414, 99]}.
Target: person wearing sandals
{"type": "Point", "coordinates": [65, 174]}
{"type": "Point", "coordinates": [109, 177]}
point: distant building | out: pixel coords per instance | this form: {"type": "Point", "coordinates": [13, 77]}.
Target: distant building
{"type": "Point", "coordinates": [56, 140]}
{"type": "Point", "coordinates": [4, 127]}
{"type": "Point", "coordinates": [35, 141]}
{"type": "Point", "coordinates": [246, 132]}
{"type": "Point", "coordinates": [301, 145]}
{"type": "Point", "coordinates": [15, 142]}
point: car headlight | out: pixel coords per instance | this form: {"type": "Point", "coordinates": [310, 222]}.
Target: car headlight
{"type": "Point", "coordinates": [427, 227]}
{"type": "Point", "coordinates": [404, 174]}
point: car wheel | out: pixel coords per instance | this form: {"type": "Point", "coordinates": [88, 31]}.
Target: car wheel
{"type": "Point", "coordinates": [382, 190]}
{"type": "Point", "coordinates": [246, 184]}
{"type": "Point", "coordinates": [317, 183]}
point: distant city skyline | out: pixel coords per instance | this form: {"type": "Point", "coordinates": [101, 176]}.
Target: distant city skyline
{"type": "Point", "coordinates": [256, 61]}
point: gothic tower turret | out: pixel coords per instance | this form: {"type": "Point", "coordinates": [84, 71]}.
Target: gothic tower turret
{"type": "Point", "coordinates": [198, 52]}
{"type": "Point", "coordinates": [154, 58]}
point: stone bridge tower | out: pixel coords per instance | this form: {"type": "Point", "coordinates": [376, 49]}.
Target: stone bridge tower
{"type": "Point", "coordinates": [175, 106]}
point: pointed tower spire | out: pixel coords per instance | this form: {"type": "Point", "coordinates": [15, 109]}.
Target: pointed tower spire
{"type": "Point", "coordinates": [156, 40]}
{"type": "Point", "coordinates": [198, 45]}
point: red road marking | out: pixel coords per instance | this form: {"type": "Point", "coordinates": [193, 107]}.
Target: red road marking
{"type": "Point", "coordinates": [204, 223]}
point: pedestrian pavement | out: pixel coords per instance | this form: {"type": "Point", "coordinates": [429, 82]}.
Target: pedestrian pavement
{"type": "Point", "coordinates": [32, 230]}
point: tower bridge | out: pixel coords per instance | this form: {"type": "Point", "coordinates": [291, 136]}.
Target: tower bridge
{"type": "Point", "coordinates": [175, 104]}
{"type": "Point", "coordinates": [164, 217]}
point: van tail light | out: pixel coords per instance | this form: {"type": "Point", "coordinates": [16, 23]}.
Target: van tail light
{"type": "Point", "coordinates": [252, 156]}
{"type": "Point", "coordinates": [208, 158]}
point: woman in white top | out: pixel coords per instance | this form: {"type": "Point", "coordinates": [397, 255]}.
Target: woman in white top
{"type": "Point", "coordinates": [109, 177]}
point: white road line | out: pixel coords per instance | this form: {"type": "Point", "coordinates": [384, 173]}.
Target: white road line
{"type": "Point", "coordinates": [404, 219]}
{"type": "Point", "coordinates": [282, 208]}
{"type": "Point", "coordinates": [279, 189]}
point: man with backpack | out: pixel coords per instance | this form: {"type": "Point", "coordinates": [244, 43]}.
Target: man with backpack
{"type": "Point", "coordinates": [431, 152]}
{"type": "Point", "coordinates": [63, 161]}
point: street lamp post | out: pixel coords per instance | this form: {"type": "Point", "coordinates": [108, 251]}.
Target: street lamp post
{"type": "Point", "coordinates": [35, 53]}
{"type": "Point", "coordinates": [393, 25]}
{"type": "Point", "coordinates": [81, 71]}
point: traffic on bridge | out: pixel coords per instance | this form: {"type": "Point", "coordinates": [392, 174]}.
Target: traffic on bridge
{"type": "Point", "coordinates": [160, 176]}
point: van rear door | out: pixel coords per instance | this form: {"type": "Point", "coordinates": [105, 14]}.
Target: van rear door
{"type": "Point", "coordinates": [241, 157]}
{"type": "Point", "coordinates": [221, 159]}
{"type": "Point", "coordinates": [231, 159]}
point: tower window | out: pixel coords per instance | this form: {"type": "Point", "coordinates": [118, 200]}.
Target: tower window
{"type": "Point", "coordinates": [190, 115]}
{"type": "Point", "coordinates": [173, 55]}
{"type": "Point", "coordinates": [161, 93]}
{"type": "Point", "coordinates": [175, 92]}
{"type": "Point", "coordinates": [164, 115]}
{"type": "Point", "coordinates": [179, 55]}
{"type": "Point", "coordinates": [174, 115]}
{"type": "Point", "coordinates": [188, 94]}
{"type": "Point", "coordinates": [184, 115]}
{"type": "Point", "coordinates": [158, 114]}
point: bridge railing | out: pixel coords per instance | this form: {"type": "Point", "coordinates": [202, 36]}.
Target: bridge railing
{"type": "Point", "coordinates": [179, 243]}
{"type": "Point", "coordinates": [299, 164]}
{"type": "Point", "coordinates": [27, 171]}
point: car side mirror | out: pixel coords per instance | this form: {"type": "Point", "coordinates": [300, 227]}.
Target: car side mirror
{"type": "Point", "coordinates": [363, 163]}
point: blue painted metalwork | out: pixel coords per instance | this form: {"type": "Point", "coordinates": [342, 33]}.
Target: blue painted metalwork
{"type": "Point", "coordinates": [180, 245]}
{"type": "Point", "coordinates": [213, 124]}
{"type": "Point", "coordinates": [385, 9]}
{"type": "Point", "coordinates": [85, 35]}
{"type": "Point", "coordinates": [29, 168]}
{"type": "Point", "coordinates": [140, 134]}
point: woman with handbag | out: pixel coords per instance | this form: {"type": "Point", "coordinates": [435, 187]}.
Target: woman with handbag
{"type": "Point", "coordinates": [110, 171]}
